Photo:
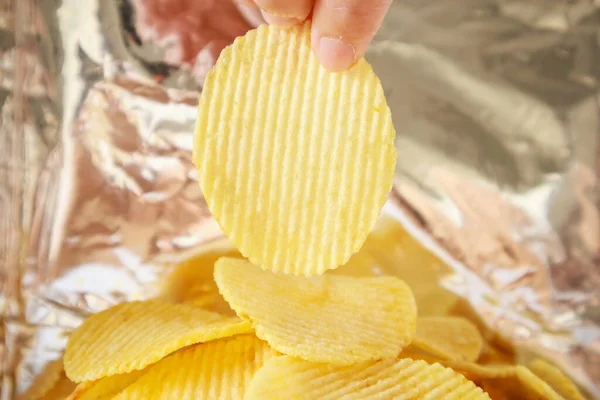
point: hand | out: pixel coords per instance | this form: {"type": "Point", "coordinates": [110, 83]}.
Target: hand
{"type": "Point", "coordinates": [341, 29]}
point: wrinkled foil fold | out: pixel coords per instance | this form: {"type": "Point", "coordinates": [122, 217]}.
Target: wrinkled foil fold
{"type": "Point", "coordinates": [497, 108]}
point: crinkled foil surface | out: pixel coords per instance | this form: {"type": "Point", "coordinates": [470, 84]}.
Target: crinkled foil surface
{"type": "Point", "coordinates": [497, 108]}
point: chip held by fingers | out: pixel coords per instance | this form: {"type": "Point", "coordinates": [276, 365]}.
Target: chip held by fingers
{"type": "Point", "coordinates": [295, 162]}
{"type": "Point", "coordinates": [331, 318]}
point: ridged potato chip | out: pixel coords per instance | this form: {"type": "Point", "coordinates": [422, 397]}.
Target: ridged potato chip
{"type": "Point", "coordinates": [534, 387]}
{"type": "Point", "coordinates": [554, 377]}
{"type": "Point", "coordinates": [105, 388]}
{"type": "Point", "coordinates": [130, 336]}
{"type": "Point", "coordinates": [391, 250]}
{"type": "Point", "coordinates": [48, 378]}
{"type": "Point", "coordinates": [452, 338]}
{"type": "Point", "coordinates": [286, 377]}
{"type": "Point", "coordinates": [493, 352]}
{"type": "Point", "coordinates": [61, 390]}
{"type": "Point", "coordinates": [506, 382]}
{"type": "Point", "coordinates": [415, 353]}
{"type": "Point", "coordinates": [473, 370]}
{"type": "Point", "coordinates": [295, 162]}
{"type": "Point", "coordinates": [191, 282]}
{"type": "Point", "coordinates": [331, 318]}
{"type": "Point", "coordinates": [220, 369]}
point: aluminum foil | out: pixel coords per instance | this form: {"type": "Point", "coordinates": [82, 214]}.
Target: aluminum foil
{"type": "Point", "coordinates": [497, 108]}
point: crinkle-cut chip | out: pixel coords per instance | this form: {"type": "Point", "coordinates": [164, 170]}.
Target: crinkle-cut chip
{"type": "Point", "coordinates": [554, 377]}
{"type": "Point", "coordinates": [494, 353]}
{"type": "Point", "coordinates": [295, 162]}
{"type": "Point", "coordinates": [208, 301]}
{"type": "Point", "coordinates": [511, 382]}
{"type": "Point", "coordinates": [130, 336]}
{"type": "Point", "coordinates": [50, 375]}
{"type": "Point", "coordinates": [473, 370]}
{"type": "Point", "coordinates": [328, 318]}
{"type": "Point", "coordinates": [192, 282]}
{"type": "Point", "coordinates": [105, 388]}
{"type": "Point", "coordinates": [452, 338]}
{"type": "Point", "coordinates": [220, 369]}
{"type": "Point", "coordinates": [286, 377]}
{"type": "Point", "coordinates": [415, 353]}
{"type": "Point", "coordinates": [391, 250]}
{"type": "Point", "coordinates": [536, 388]}
{"type": "Point", "coordinates": [61, 389]}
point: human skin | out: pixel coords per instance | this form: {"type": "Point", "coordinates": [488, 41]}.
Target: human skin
{"type": "Point", "coordinates": [341, 29]}
{"type": "Point", "coordinates": [193, 32]}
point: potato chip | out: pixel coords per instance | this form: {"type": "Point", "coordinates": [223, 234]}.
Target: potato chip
{"type": "Point", "coordinates": [60, 390]}
{"type": "Point", "coordinates": [391, 250]}
{"type": "Point", "coordinates": [295, 162]}
{"type": "Point", "coordinates": [496, 348]}
{"type": "Point", "coordinates": [211, 302]}
{"type": "Point", "coordinates": [105, 388]}
{"type": "Point", "coordinates": [50, 375]}
{"type": "Point", "coordinates": [192, 282]}
{"type": "Point", "coordinates": [473, 370]}
{"type": "Point", "coordinates": [330, 318]}
{"type": "Point", "coordinates": [510, 382]}
{"type": "Point", "coordinates": [535, 388]}
{"type": "Point", "coordinates": [220, 369]}
{"type": "Point", "coordinates": [451, 338]}
{"type": "Point", "coordinates": [554, 377]}
{"type": "Point", "coordinates": [286, 377]}
{"type": "Point", "coordinates": [494, 352]}
{"type": "Point", "coordinates": [415, 353]}
{"type": "Point", "coordinates": [130, 336]}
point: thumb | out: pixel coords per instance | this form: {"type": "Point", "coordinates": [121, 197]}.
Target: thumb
{"type": "Point", "coordinates": [343, 29]}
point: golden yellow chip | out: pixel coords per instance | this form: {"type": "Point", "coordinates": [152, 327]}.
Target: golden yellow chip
{"type": "Point", "coordinates": [391, 250]}
{"type": "Point", "coordinates": [105, 388]}
{"type": "Point", "coordinates": [494, 352]}
{"type": "Point", "coordinates": [554, 377]}
{"type": "Point", "coordinates": [330, 318]}
{"type": "Point", "coordinates": [50, 375]}
{"type": "Point", "coordinates": [535, 388]}
{"type": "Point", "coordinates": [415, 353]}
{"type": "Point", "coordinates": [130, 336]}
{"type": "Point", "coordinates": [286, 377]}
{"type": "Point", "coordinates": [510, 382]}
{"type": "Point", "coordinates": [452, 338]}
{"type": "Point", "coordinates": [60, 390]}
{"type": "Point", "coordinates": [50, 384]}
{"type": "Point", "coordinates": [473, 371]}
{"type": "Point", "coordinates": [295, 162]}
{"type": "Point", "coordinates": [192, 282]}
{"type": "Point", "coordinates": [220, 369]}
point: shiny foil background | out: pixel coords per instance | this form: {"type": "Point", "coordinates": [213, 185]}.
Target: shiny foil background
{"type": "Point", "coordinates": [497, 108]}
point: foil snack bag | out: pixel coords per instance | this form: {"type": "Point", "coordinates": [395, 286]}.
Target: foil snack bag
{"type": "Point", "coordinates": [496, 198]}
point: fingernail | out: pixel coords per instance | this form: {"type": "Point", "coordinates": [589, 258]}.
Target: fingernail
{"type": "Point", "coordinates": [277, 20]}
{"type": "Point", "coordinates": [335, 54]}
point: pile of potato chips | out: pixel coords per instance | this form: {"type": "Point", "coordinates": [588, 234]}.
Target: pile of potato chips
{"type": "Point", "coordinates": [253, 334]}
{"type": "Point", "coordinates": [278, 323]}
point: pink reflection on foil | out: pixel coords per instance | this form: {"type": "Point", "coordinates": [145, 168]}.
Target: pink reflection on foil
{"type": "Point", "coordinates": [193, 32]}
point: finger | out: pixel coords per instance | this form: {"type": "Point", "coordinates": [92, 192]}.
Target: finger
{"type": "Point", "coordinates": [285, 12]}
{"type": "Point", "coordinates": [250, 12]}
{"type": "Point", "coordinates": [247, 3]}
{"type": "Point", "coordinates": [343, 29]}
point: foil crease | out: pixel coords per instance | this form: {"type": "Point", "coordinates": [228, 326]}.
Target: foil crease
{"type": "Point", "coordinates": [497, 108]}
